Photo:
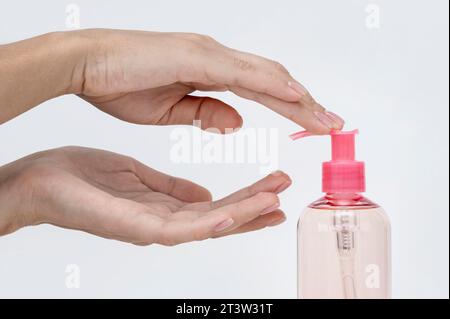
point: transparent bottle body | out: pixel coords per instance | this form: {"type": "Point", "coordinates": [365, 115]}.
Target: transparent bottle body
{"type": "Point", "coordinates": [344, 249]}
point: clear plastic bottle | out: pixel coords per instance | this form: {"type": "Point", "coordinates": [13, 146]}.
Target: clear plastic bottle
{"type": "Point", "coordinates": [343, 238]}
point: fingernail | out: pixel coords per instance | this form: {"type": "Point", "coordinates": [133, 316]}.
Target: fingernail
{"type": "Point", "coordinates": [224, 225]}
{"type": "Point", "coordinates": [336, 118]}
{"type": "Point", "coordinates": [325, 120]}
{"type": "Point", "coordinates": [283, 186]}
{"type": "Point", "coordinates": [277, 222]}
{"type": "Point", "coordinates": [277, 173]}
{"type": "Point", "coordinates": [299, 89]}
{"type": "Point", "coordinates": [270, 209]}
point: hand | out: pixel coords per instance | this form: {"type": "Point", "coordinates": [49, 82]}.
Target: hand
{"type": "Point", "coordinates": [146, 78]}
{"type": "Point", "coordinates": [117, 197]}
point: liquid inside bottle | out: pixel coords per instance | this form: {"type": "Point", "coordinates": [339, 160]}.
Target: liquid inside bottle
{"type": "Point", "coordinates": [344, 249]}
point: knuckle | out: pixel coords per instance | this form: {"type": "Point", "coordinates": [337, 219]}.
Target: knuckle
{"type": "Point", "coordinates": [196, 37]}
{"type": "Point", "coordinates": [68, 148]}
{"type": "Point", "coordinates": [208, 39]}
{"type": "Point", "coordinates": [201, 39]}
{"type": "Point", "coordinates": [280, 67]}
{"type": "Point", "coordinates": [242, 64]}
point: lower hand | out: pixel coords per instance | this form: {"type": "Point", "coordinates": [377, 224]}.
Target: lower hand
{"type": "Point", "coordinates": [117, 197]}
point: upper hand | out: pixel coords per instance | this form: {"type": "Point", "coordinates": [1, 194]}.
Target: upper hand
{"type": "Point", "coordinates": [146, 78]}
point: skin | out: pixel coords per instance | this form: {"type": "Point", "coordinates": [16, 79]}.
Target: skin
{"type": "Point", "coordinates": [144, 78]}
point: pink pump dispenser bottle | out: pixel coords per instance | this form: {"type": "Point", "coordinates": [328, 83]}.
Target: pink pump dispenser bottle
{"type": "Point", "coordinates": [343, 237]}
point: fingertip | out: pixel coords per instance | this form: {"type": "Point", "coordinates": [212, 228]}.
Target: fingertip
{"type": "Point", "coordinates": [208, 195]}
{"type": "Point", "coordinates": [240, 121]}
{"type": "Point", "coordinates": [275, 215]}
{"type": "Point", "coordinates": [337, 119]}
{"type": "Point", "coordinates": [280, 174]}
{"type": "Point", "coordinates": [202, 195]}
{"type": "Point", "coordinates": [217, 116]}
{"type": "Point", "coordinates": [282, 187]}
{"type": "Point", "coordinates": [232, 123]}
{"type": "Point", "coordinates": [274, 183]}
{"type": "Point", "coordinates": [191, 192]}
{"type": "Point", "coordinates": [277, 221]}
{"type": "Point", "coordinates": [282, 181]}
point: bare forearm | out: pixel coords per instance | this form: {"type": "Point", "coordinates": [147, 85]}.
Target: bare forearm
{"type": "Point", "coordinates": [38, 69]}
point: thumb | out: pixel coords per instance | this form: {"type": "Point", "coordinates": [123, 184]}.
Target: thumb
{"type": "Point", "coordinates": [210, 112]}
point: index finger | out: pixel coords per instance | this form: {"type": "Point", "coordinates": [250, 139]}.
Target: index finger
{"type": "Point", "coordinates": [230, 67]}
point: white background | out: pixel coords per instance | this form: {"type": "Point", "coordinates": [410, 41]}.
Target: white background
{"type": "Point", "coordinates": [391, 83]}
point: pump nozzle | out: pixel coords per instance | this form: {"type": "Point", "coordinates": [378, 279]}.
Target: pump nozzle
{"type": "Point", "coordinates": [343, 145]}
{"type": "Point", "coordinates": [343, 174]}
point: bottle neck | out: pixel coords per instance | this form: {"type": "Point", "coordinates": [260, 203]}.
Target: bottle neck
{"type": "Point", "coordinates": [343, 200]}
{"type": "Point", "coordinates": [343, 196]}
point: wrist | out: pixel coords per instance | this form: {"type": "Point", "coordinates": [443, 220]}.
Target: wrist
{"type": "Point", "coordinates": [12, 215]}
{"type": "Point", "coordinates": [24, 193]}
{"type": "Point", "coordinates": [72, 49]}
{"type": "Point", "coordinates": [38, 69]}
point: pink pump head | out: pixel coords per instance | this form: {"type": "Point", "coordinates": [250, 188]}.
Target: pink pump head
{"type": "Point", "coordinates": [343, 174]}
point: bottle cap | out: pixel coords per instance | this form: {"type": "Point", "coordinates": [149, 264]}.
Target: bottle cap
{"type": "Point", "coordinates": [342, 174]}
